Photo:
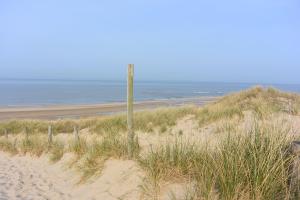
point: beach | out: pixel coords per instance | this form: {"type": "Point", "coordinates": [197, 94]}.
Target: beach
{"type": "Point", "coordinates": [89, 110]}
{"type": "Point", "coordinates": [149, 100]}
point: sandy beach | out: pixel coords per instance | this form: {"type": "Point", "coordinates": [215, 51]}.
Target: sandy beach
{"type": "Point", "coordinates": [75, 111]}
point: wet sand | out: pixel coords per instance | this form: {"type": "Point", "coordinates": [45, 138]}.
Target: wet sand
{"type": "Point", "coordinates": [76, 111]}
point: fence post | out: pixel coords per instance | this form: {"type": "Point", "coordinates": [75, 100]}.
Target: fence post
{"type": "Point", "coordinates": [294, 179]}
{"type": "Point", "coordinates": [50, 134]}
{"type": "Point", "coordinates": [76, 135]}
{"type": "Point", "coordinates": [130, 134]}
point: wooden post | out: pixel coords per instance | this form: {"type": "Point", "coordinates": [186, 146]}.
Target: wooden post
{"type": "Point", "coordinates": [50, 134]}
{"type": "Point", "coordinates": [294, 179]}
{"type": "Point", "coordinates": [130, 134]}
{"type": "Point", "coordinates": [76, 135]}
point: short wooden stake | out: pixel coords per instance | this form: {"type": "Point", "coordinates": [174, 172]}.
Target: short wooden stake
{"type": "Point", "coordinates": [130, 134]}
{"type": "Point", "coordinates": [76, 135]}
{"type": "Point", "coordinates": [50, 134]}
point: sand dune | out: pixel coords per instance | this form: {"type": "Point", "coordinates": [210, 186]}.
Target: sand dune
{"type": "Point", "coordinates": [25, 178]}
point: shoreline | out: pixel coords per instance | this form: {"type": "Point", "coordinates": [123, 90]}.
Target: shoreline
{"type": "Point", "coordinates": [52, 112]}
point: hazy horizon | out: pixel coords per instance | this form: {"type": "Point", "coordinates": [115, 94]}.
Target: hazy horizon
{"type": "Point", "coordinates": [204, 41]}
{"type": "Point", "coordinates": [42, 92]}
{"type": "Point", "coordinates": [138, 80]}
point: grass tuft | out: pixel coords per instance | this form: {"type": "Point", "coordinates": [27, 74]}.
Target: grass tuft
{"type": "Point", "coordinates": [56, 151]}
{"type": "Point", "coordinates": [7, 145]}
{"type": "Point", "coordinates": [100, 151]}
{"type": "Point", "coordinates": [34, 145]}
{"type": "Point", "coordinates": [79, 147]}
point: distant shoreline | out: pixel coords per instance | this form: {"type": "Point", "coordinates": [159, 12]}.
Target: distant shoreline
{"type": "Point", "coordinates": [54, 112]}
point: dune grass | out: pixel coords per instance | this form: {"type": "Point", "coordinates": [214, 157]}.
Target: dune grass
{"type": "Point", "coordinates": [89, 157]}
{"type": "Point", "coordinates": [7, 145]}
{"type": "Point", "coordinates": [56, 151]}
{"type": "Point", "coordinates": [261, 101]}
{"type": "Point", "coordinates": [79, 147]}
{"type": "Point", "coordinates": [254, 165]}
{"type": "Point", "coordinates": [35, 145]}
{"type": "Point", "coordinates": [108, 125]}
{"type": "Point", "coordinates": [99, 151]}
{"type": "Point", "coordinates": [144, 121]}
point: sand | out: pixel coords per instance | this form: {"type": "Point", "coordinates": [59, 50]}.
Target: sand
{"type": "Point", "coordinates": [29, 178]}
{"type": "Point", "coordinates": [25, 178]}
{"type": "Point", "coordinates": [76, 111]}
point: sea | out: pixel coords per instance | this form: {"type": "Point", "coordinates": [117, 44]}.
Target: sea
{"type": "Point", "coordinates": [22, 93]}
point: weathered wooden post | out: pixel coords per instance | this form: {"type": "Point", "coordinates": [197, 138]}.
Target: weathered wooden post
{"type": "Point", "coordinates": [50, 134]}
{"type": "Point", "coordinates": [294, 179]}
{"type": "Point", "coordinates": [130, 134]}
{"type": "Point", "coordinates": [76, 135]}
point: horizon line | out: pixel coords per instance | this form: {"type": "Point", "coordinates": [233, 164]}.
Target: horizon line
{"type": "Point", "coordinates": [138, 80]}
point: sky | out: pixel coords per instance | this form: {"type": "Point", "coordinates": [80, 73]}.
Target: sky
{"type": "Point", "coordinates": [189, 40]}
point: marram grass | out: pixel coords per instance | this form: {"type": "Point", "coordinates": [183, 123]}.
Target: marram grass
{"type": "Point", "coordinates": [89, 158]}
{"type": "Point", "coordinates": [98, 152]}
{"type": "Point", "coordinates": [7, 145]}
{"type": "Point", "coordinates": [56, 150]}
{"type": "Point", "coordinates": [250, 166]}
{"type": "Point", "coordinates": [35, 145]}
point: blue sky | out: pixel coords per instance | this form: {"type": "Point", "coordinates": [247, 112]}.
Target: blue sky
{"type": "Point", "coordinates": [212, 40]}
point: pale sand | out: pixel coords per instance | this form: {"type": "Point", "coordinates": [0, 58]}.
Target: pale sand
{"type": "Point", "coordinates": [76, 111]}
{"type": "Point", "coordinates": [28, 178]}
{"type": "Point", "coordinates": [25, 178]}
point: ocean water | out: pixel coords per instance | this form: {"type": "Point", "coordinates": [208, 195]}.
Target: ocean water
{"type": "Point", "coordinates": [16, 93]}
